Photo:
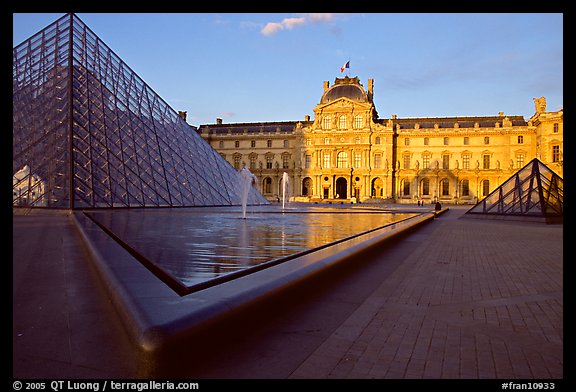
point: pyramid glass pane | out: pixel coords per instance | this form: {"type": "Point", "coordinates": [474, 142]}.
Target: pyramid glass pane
{"type": "Point", "coordinates": [534, 191]}
{"type": "Point", "coordinates": [88, 132]}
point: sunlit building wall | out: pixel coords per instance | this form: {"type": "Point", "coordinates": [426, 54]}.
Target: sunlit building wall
{"type": "Point", "coordinates": [347, 153]}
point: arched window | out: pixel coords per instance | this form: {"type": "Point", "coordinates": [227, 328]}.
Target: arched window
{"type": "Point", "coordinates": [342, 160]}
{"type": "Point", "coordinates": [426, 187]}
{"type": "Point", "coordinates": [445, 187]}
{"type": "Point", "coordinates": [405, 187]}
{"type": "Point", "coordinates": [267, 185]}
{"type": "Point", "coordinates": [307, 186]}
{"type": "Point", "coordinates": [465, 188]}
{"type": "Point", "coordinates": [377, 187]}
{"type": "Point", "coordinates": [485, 188]}
{"type": "Point", "coordinates": [377, 140]}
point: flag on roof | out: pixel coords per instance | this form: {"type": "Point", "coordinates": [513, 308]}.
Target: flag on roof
{"type": "Point", "coordinates": [347, 65]}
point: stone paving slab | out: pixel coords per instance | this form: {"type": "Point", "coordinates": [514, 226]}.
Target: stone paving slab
{"type": "Point", "coordinates": [477, 299]}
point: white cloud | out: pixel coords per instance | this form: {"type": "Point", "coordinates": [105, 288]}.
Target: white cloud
{"type": "Point", "coordinates": [290, 23]}
{"type": "Point", "coordinates": [272, 28]}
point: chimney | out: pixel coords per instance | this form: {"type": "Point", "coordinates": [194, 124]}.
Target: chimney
{"type": "Point", "coordinates": [326, 85]}
{"type": "Point", "coordinates": [370, 86]}
{"type": "Point", "coordinates": [218, 121]}
{"type": "Point", "coordinates": [501, 114]}
{"type": "Point", "coordinates": [394, 117]}
{"type": "Point", "coordinates": [182, 114]}
{"type": "Point", "coordinates": [306, 118]}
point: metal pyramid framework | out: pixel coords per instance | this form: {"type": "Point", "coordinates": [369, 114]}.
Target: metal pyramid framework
{"type": "Point", "coordinates": [89, 133]}
{"type": "Point", "coordinates": [533, 193]}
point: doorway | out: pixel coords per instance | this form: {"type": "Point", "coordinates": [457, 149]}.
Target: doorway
{"type": "Point", "coordinates": [341, 188]}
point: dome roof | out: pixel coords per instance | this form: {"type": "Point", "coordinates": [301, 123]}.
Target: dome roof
{"type": "Point", "coordinates": [345, 88]}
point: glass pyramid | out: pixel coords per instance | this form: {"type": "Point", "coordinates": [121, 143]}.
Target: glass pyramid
{"type": "Point", "coordinates": [89, 133]}
{"type": "Point", "coordinates": [534, 192]}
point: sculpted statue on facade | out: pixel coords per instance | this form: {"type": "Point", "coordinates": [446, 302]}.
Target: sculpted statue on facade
{"type": "Point", "coordinates": [540, 104]}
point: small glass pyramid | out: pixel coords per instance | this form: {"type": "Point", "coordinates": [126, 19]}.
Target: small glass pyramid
{"type": "Point", "coordinates": [89, 133]}
{"type": "Point", "coordinates": [534, 193]}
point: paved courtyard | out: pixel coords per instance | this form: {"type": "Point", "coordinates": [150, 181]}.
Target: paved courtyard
{"type": "Point", "coordinates": [455, 299]}
{"type": "Point", "coordinates": [476, 299]}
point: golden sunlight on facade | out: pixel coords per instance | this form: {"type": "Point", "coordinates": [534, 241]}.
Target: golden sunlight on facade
{"type": "Point", "coordinates": [348, 154]}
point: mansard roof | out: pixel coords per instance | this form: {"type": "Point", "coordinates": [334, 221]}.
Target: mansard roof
{"type": "Point", "coordinates": [463, 122]}
{"type": "Point", "coordinates": [255, 127]}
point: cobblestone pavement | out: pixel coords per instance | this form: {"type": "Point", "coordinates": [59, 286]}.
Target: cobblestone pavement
{"type": "Point", "coordinates": [477, 299]}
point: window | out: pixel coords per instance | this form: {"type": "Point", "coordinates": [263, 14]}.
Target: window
{"type": "Point", "coordinates": [377, 161]}
{"type": "Point", "coordinates": [286, 144]}
{"type": "Point", "coordinates": [342, 122]}
{"type": "Point", "coordinates": [485, 188]}
{"type": "Point", "coordinates": [267, 185]}
{"type": "Point", "coordinates": [327, 121]}
{"type": "Point", "coordinates": [307, 161]}
{"type": "Point", "coordinates": [426, 141]}
{"type": "Point", "coordinates": [426, 161]}
{"type": "Point", "coordinates": [519, 160]}
{"type": "Point", "coordinates": [252, 143]}
{"type": "Point", "coordinates": [253, 161]}
{"type": "Point", "coordinates": [326, 161]}
{"type": "Point", "coordinates": [237, 143]}
{"type": "Point", "coordinates": [406, 188]}
{"type": "Point", "coordinates": [269, 143]}
{"type": "Point", "coordinates": [520, 139]}
{"type": "Point", "coordinates": [555, 127]}
{"type": "Point", "coordinates": [357, 160]}
{"type": "Point", "coordinates": [407, 161]}
{"type": "Point", "coordinates": [465, 188]}
{"type": "Point", "coordinates": [308, 142]}
{"type": "Point", "coordinates": [556, 153]}
{"type": "Point", "coordinates": [326, 140]}
{"type": "Point", "coordinates": [285, 161]}
{"type": "Point", "coordinates": [466, 161]}
{"type": "Point", "coordinates": [445, 187]}
{"type": "Point", "coordinates": [466, 140]}
{"type": "Point", "coordinates": [406, 141]}
{"type": "Point", "coordinates": [358, 121]}
{"type": "Point", "coordinates": [486, 161]}
{"type": "Point", "coordinates": [237, 161]}
{"type": "Point", "coordinates": [445, 141]}
{"type": "Point", "coordinates": [357, 140]}
{"type": "Point", "coordinates": [426, 187]}
{"type": "Point", "coordinates": [446, 161]}
{"type": "Point", "coordinates": [486, 140]}
{"type": "Point", "coordinates": [342, 160]}
{"type": "Point", "coordinates": [221, 144]}
{"type": "Point", "coordinates": [268, 162]}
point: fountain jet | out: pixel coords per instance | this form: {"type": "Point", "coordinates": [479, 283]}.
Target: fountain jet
{"type": "Point", "coordinates": [247, 180]}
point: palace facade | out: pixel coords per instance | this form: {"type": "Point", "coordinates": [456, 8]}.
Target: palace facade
{"type": "Point", "coordinates": [347, 153]}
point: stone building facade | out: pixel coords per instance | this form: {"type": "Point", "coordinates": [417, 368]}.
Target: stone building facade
{"type": "Point", "coordinates": [347, 153]}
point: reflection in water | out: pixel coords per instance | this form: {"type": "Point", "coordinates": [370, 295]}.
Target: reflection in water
{"type": "Point", "coordinates": [197, 246]}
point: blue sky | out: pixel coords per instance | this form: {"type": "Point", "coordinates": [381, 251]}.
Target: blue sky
{"type": "Point", "coordinates": [271, 66]}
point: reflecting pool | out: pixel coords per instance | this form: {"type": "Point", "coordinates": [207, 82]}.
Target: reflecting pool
{"type": "Point", "coordinates": [197, 244]}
